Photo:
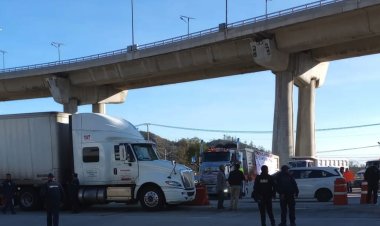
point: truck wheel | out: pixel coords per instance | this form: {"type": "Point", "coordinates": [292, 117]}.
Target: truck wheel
{"type": "Point", "coordinates": [29, 199]}
{"type": "Point", "coordinates": [151, 198]}
{"type": "Point", "coordinates": [323, 195]}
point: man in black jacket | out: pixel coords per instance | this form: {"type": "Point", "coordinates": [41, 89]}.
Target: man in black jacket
{"type": "Point", "coordinates": [235, 180]}
{"type": "Point", "coordinates": [371, 175]}
{"type": "Point", "coordinates": [264, 191]}
{"type": "Point", "coordinates": [287, 188]}
{"type": "Point", "coordinates": [9, 189]}
{"type": "Point", "coordinates": [53, 194]}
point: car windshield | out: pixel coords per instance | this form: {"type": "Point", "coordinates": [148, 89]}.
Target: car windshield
{"type": "Point", "coordinates": [145, 152]}
{"type": "Point", "coordinates": [216, 157]}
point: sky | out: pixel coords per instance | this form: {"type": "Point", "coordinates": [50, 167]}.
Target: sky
{"type": "Point", "coordinates": [349, 97]}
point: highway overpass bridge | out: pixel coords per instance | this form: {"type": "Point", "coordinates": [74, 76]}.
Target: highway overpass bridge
{"type": "Point", "coordinates": [295, 44]}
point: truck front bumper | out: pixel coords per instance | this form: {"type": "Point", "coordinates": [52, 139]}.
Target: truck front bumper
{"type": "Point", "coordinates": [176, 196]}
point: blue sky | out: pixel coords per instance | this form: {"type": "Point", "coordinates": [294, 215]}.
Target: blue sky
{"type": "Point", "coordinates": [350, 95]}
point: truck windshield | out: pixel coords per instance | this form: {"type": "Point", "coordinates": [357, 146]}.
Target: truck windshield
{"type": "Point", "coordinates": [216, 157]}
{"type": "Point", "coordinates": [144, 152]}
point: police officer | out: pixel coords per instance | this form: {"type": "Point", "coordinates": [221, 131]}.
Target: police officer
{"type": "Point", "coordinates": [221, 184]}
{"type": "Point", "coordinates": [287, 188]}
{"type": "Point", "coordinates": [52, 193]}
{"type": "Point", "coordinates": [264, 191]}
{"type": "Point", "coordinates": [371, 175]}
{"type": "Point", "coordinates": [9, 189]}
{"type": "Point", "coordinates": [73, 190]}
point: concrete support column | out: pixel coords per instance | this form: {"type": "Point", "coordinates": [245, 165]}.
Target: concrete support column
{"type": "Point", "coordinates": [99, 108]}
{"type": "Point", "coordinates": [283, 135]}
{"type": "Point", "coordinates": [72, 96]}
{"type": "Point", "coordinates": [305, 138]}
{"type": "Point", "coordinates": [71, 107]}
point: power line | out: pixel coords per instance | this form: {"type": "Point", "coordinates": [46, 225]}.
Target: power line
{"type": "Point", "coordinates": [203, 130]}
{"type": "Point", "coordinates": [250, 131]}
{"type": "Point", "coordinates": [347, 149]}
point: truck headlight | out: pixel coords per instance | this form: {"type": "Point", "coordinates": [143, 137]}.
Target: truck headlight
{"type": "Point", "coordinates": [173, 183]}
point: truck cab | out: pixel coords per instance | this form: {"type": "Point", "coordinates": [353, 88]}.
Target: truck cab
{"type": "Point", "coordinates": [115, 164]}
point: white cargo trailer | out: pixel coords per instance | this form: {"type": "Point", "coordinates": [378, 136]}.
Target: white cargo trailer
{"type": "Point", "coordinates": [113, 161]}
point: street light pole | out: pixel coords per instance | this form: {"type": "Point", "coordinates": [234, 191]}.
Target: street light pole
{"type": "Point", "coordinates": [57, 45]}
{"type": "Point", "coordinates": [187, 19]}
{"type": "Point", "coordinates": [266, 7]}
{"type": "Point", "coordinates": [133, 30]}
{"type": "Point", "coordinates": [226, 13]}
{"type": "Point", "coordinates": [3, 52]}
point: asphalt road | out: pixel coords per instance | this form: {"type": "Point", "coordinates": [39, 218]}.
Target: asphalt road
{"type": "Point", "coordinates": [308, 213]}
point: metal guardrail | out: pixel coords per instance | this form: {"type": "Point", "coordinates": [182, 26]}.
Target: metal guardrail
{"type": "Point", "coordinates": [273, 15]}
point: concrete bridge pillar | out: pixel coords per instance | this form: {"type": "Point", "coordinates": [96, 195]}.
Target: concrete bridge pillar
{"type": "Point", "coordinates": [71, 107]}
{"type": "Point", "coordinates": [283, 135]}
{"type": "Point", "coordinates": [308, 74]}
{"type": "Point", "coordinates": [72, 96]}
{"type": "Point", "coordinates": [99, 108]}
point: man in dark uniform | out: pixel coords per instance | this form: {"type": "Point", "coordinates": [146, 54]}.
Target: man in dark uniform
{"type": "Point", "coordinates": [371, 175]}
{"type": "Point", "coordinates": [287, 188]}
{"type": "Point", "coordinates": [52, 193]}
{"type": "Point", "coordinates": [9, 189]}
{"type": "Point", "coordinates": [73, 190]}
{"type": "Point", "coordinates": [264, 191]}
{"type": "Point", "coordinates": [221, 184]}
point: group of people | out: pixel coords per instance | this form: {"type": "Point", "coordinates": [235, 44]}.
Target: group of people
{"type": "Point", "coordinates": [52, 193]}
{"type": "Point", "coordinates": [265, 189]}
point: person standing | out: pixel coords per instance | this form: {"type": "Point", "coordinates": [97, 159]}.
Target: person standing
{"type": "Point", "coordinates": [371, 175]}
{"type": "Point", "coordinates": [288, 190]}
{"type": "Point", "coordinates": [349, 177]}
{"type": "Point", "coordinates": [263, 192]}
{"type": "Point", "coordinates": [73, 191]}
{"type": "Point", "coordinates": [9, 189]}
{"type": "Point", "coordinates": [221, 184]}
{"type": "Point", "coordinates": [235, 179]}
{"type": "Point", "coordinates": [53, 194]}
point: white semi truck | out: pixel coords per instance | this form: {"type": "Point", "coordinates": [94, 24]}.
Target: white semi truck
{"type": "Point", "coordinates": [113, 161]}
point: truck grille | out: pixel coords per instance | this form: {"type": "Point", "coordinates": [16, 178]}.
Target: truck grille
{"type": "Point", "coordinates": [187, 179]}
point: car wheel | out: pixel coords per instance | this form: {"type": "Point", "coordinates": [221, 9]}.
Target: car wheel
{"type": "Point", "coordinates": [151, 198]}
{"type": "Point", "coordinates": [323, 195]}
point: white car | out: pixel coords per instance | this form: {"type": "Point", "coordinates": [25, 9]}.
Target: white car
{"type": "Point", "coordinates": [315, 182]}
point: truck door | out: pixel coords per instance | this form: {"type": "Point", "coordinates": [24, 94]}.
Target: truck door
{"type": "Point", "coordinates": [125, 169]}
{"type": "Point", "coordinates": [92, 164]}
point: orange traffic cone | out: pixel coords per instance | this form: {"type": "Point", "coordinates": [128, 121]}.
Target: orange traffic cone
{"type": "Point", "coordinates": [364, 193]}
{"type": "Point", "coordinates": [201, 196]}
{"type": "Point", "coordinates": [340, 192]}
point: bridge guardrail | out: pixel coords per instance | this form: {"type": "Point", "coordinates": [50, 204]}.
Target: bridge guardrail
{"type": "Point", "coordinates": [178, 38]}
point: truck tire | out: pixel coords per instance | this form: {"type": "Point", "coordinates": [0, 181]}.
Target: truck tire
{"type": "Point", "coordinates": [151, 198]}
{"type": "Point", "coordinates": [323, 195]}
{"type": "Point", "coordinates": [29, 199]}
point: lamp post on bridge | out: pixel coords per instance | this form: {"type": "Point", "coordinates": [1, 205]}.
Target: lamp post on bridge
{"type": "Point", "coordinates": [57, 45]}
{"type": "Point", "coordinates": [187, 19]}
{"type": "Point", "coordinates": [3, 52]}
{"type": "Point", "coordinates": [133, 30]}
{"type": "Point", "coordinates": [266, 7]}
